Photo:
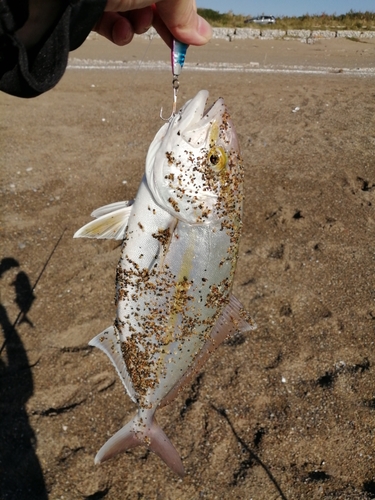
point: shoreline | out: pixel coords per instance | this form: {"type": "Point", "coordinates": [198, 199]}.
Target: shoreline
{"type": "Point", "coordinates": [281, 56]}
{"type": "Point", "coordinates": [307, 36]}
{"type": "Point", "coordinates": [261, 33]}
{"type": "Point", "coordinates": [252, 67]}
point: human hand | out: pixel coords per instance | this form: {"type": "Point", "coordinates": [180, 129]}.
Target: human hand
{"type": "Point", "coordinates": [171, 18]}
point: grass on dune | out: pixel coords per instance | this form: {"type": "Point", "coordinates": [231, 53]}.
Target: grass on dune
{"type": "Point", "coordinates": [358, 21]}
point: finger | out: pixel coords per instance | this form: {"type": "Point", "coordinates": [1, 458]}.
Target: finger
{"type": "Point", "coordinates": [115, 28]}
{"type": "Point", "coordinates": [141, 19]}
{"type": "Point", "coordinates": [161, 28]}
{"type": "Point", "coordinates": [126, 5]}
{"type": "Point", "coordinates": [181, 19]}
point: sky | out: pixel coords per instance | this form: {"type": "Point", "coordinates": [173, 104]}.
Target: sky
{"type": "Point", "coordinates": [279, 8]}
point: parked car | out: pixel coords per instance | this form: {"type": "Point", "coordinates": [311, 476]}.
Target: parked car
{"type": "Point", "coordinates": [262, 20]}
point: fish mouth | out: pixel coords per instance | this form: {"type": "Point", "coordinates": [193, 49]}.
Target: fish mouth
{"type": "Point", "coordinates": [195, 121]}
{"type": "Point", "coordinates": [192, 113]}
{"type": "Point", "coordinates": [178, 160]}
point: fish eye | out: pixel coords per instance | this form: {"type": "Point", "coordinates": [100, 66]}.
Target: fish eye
{"type": "Point", "coordinates": [217, 158]}
{"type": "Point", "coordinates": [214, 159]}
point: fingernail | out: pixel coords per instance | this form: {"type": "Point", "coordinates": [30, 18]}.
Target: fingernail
{"type": "Point", "coordinates": [204, 29]}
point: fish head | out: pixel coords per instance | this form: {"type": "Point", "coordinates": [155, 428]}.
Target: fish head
{"type": "Point", "coordinates": [193, 167]}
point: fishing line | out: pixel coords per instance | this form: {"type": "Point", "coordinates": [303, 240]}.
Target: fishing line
{"type": "Point", "coordinates": [23, 310]}
{"type": "Point", "coordinates": [178, 54]}
{"type": "Point", "coordinates": [141, 60]}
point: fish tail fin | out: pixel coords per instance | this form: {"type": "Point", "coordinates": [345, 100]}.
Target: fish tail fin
{"type": "Point", "coordinates": [163, 448]}
{"type": "Point", "coordinates": [138, 432]}
{"type": "Point", "coordinates": [123, 440]}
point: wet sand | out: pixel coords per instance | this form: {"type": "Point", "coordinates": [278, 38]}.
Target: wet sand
{"type": "Point", "coordinates": [286, 411]}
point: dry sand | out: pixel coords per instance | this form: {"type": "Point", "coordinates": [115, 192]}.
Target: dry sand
{"type": "Point", "coordinates": [286, 411]}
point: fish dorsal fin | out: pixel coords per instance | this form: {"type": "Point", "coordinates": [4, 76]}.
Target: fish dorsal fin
{"type": "Point", "coordinates": [233, 319]}
{"type": "Point", "coordinates": [110, 224]}
{"type": "Point", "coordinates": [109, 343]}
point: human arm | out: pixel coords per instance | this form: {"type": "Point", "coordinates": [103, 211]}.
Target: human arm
{"type": "Point", "coordinates": [34, 45]}
{"type": "Point", "coordinates": [171, 18]}
{"type": "Point", "coordinates": [37, 35]}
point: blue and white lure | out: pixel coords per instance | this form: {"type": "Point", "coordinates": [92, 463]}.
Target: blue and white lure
{"type": "Point", "coordinates": [178, 54]}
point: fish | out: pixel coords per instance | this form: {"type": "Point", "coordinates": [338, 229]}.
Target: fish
{"type": "Point", "coordinates": [175, 275]}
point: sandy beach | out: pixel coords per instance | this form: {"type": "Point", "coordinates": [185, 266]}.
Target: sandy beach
{"type": "Point", "coordinates": [284, 412]}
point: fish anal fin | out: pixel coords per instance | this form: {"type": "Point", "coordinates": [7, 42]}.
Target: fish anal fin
{"type": "Point", "coordinates": [109, 343]}
{"type": "Point", "coordinates": [232, 320]}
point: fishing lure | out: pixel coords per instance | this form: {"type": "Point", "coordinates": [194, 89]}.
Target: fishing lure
{"type": "Point", "coordinates": [178, 54]}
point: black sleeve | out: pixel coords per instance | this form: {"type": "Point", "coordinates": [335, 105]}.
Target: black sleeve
{"type": "Point", "coordinates": [29, 74]}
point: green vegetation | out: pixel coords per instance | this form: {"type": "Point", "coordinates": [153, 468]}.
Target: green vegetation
{"type": "Point", "coordinates": [350, 21]}
{"type": "Point", "coordinates": [217, 19]}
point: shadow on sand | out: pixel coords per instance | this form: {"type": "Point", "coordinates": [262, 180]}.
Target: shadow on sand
{"type": "Point", "coordinates": [21, 475]}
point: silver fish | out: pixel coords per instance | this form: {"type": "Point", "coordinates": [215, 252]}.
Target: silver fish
{"type": "Point", "coordinates": [174, 278]}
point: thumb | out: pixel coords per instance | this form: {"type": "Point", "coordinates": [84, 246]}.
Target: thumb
{"type": "Point", "coordinates": [182, 20]}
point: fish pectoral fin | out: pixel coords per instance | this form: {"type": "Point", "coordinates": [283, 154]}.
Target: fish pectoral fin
{"type": "Point", "coordinates": [137, 432]}
{"type": "Point", "coordinates": [233, 319]}
{"type": "Point", "coordinates": [109, 343]}
{"type": "Point", "coordinates": [108, 226]}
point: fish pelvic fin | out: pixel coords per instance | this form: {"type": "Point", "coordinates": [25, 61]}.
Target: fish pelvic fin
{"type": "Point", "coordinates": [110, 223]}
{"type": "Point", "coordinates": [112, 207]}
{"type": "Point", "coordinates": [141, 431]}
